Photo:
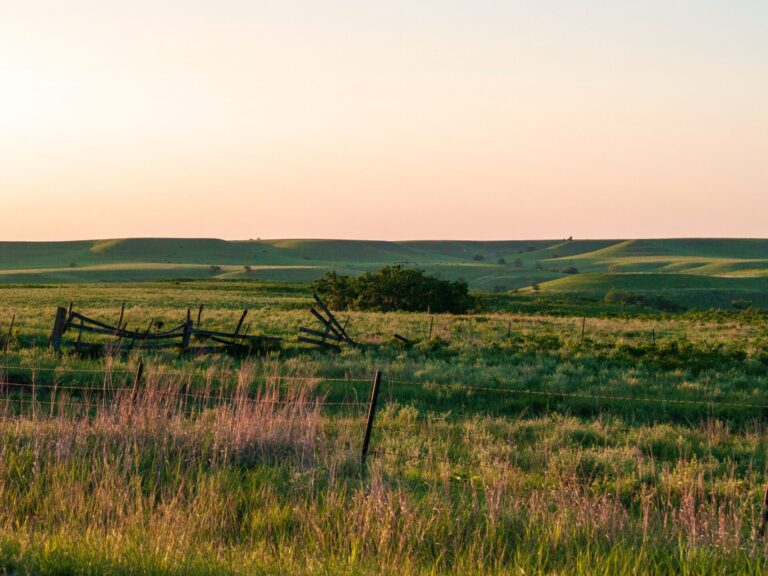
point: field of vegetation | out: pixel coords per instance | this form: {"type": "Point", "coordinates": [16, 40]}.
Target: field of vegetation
{"type": "Point", "coordinates": [692, 273]}
{"type": "Point", "coordinates": [561, 436]}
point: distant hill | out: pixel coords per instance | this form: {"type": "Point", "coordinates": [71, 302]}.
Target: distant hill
{"type": "Point", "coordinates": [728, 266]}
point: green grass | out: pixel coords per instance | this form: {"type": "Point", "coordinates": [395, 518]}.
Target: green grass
{"type": "Point", "coordinates": [507, 444]}
{"type": "Point", "coordinates": [670, 265]}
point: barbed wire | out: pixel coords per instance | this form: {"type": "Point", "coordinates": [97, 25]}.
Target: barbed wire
{"type": "Point", "coordinates": [581, 396]}
{"type": "Point", "coordinates": [220, 399]}
{"type": "Point", "coordinates": [425, 385]}
{"type": "Point", "coordinates": [149, 371]}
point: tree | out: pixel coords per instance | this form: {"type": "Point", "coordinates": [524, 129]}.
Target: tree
{"type": "Point", "coordinates": [535, 287]}
{"type": "Point", "coordinates": [478, 257]}
{"type": "Point", "coordinates": [501, 261]}
{"type": "Point", "coordinates": [394, 288]}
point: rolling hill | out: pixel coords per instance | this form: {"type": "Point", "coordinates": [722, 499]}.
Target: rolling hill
{"type": "Point", "coordinates": [729, 267]}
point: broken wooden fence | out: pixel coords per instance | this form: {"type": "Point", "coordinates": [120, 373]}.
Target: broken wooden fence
{"type": "Point", "coordinates": [183, 336]}
{"type": "Point", "coordinates": [332, 335]}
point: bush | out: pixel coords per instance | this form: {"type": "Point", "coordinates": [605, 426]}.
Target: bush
{"type": "Point", "coordinates": [501, 261]}
{"type": "Point", "coordinates": [518, 263]}
{"type": "Point", "coordinates": [478, 257]}
{"type": "Point", "coordinates": [623, 298]}
{"type": "Point", "coordinates": [570, 270]}
{"type": "Point", "coordinates": [394, 288]}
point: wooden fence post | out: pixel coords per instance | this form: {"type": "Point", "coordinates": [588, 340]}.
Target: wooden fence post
{"type": "Point", "coordinates": [583, 327]}
{"type": "Point", "coordinates": [431, 323]}
{"type": "Point", "coordinates": [371, 414]}
{"type": "Point", "coordinates": [240, 322]}
{"type": "Point", "coordinates": [120, 320]}
{"type": "Point", "coordinates": [199, 314]}
{"type": "Point", "coordinates": [10, 335]}
{"type": "Point", "coordinates": [58, 328]}
{"type": "Point", "coordinates": [137, 380]}
{"type": "Point", "coordinates": [187, 334]}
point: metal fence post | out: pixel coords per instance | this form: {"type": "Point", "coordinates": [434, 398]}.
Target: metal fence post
{"type": "Point", "coordinates": [371, 414]}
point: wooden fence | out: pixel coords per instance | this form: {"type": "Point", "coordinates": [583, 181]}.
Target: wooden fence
{"type": "Point", "coordinates": [186, 336]}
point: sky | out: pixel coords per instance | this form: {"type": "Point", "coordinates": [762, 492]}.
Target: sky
{"type": "Point", "coordinates": [418, 119]}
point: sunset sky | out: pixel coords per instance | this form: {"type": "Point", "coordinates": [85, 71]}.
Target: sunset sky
{"type": "Point", "coordinates": [389, 120]}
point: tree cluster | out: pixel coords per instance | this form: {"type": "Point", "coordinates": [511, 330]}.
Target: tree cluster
{"type": "Point", "coordinates": [394, 288]}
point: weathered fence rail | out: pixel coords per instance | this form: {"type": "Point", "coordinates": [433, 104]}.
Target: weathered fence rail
{"type": "Point", "coordinates": [334, 333]}
{"type": "Point", "coordinates": [186, 337]}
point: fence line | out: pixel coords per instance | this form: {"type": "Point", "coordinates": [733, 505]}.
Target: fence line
{"type": "Point", "coordinates": [581, 396]}
{"type": "Point", "coordinates": [174, 394]}
{"type": "Point", "coordinates": [59, 369]}
{"type": "Point", "coordinates": [660, 401]}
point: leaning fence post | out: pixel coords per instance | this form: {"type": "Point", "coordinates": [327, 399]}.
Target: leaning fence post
{"type": "Point", "coordinates": [58, 328]}
{"type": "Point", "coordinates": [10, 334]}
{"type": "Point", "coordinates": [371, 414]}
{"type": "Point", "coordinates": [583, 327]}
{"type": "Point", "coordinates": [137, 381]}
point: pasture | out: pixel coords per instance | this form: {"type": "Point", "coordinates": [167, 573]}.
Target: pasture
{"type": "Point", "coordinates": [698, 273]}
{"type": "Point", "coordinates": [598, 439]}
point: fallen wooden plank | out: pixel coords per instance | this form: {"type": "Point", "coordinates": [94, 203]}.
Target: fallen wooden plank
{"type": "Point", "coordinates": [323, 335]}
{"type": "Point", "coordinates": [318, 342]}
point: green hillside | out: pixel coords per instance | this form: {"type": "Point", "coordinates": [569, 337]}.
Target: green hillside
{"type": "Point", "coordinates": [682, 268]}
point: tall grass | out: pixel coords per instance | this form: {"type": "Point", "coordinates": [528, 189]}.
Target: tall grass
{"type": "Point", "coordinates": [223, 465]}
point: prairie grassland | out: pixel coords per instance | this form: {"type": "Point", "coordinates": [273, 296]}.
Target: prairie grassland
{"type": "Point", "coordinates": [505, 444]}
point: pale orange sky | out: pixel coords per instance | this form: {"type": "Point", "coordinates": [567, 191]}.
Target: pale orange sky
{"type": "Point", "coordinates": [404, 120]}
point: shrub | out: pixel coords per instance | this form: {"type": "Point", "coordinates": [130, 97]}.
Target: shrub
{"type": "Point", "coordinates": [394, 288]}
{"type": "Point", "coordinates": [73, 264]}
{"type": "Point", "coordinates": [501, 261]}
{"type": "Point", "coordinates": [518, 263]}
{"type": "Point", "coordinates": [478, 257]}
{"type": "Point", "coordinates": [570, 270]}
{"type": "Point", "coordinates": [623, 298]}
{"type": "Point", "coordinates": [215, 268]}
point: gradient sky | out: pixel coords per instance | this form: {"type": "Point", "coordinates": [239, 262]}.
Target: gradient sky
{"type": "Point", "coordinates": [391, 120]}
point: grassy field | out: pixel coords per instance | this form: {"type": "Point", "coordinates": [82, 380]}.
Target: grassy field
{"type": "Point", "coordinates": [696, 273]}
{"type": "Point", "coordinates": [508, 443]}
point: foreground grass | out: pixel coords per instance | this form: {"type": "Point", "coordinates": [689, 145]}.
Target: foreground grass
{"type": "Point", "coordinates": [146, 487]}
{"type": "Point", "coordinates": [231, 466]}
